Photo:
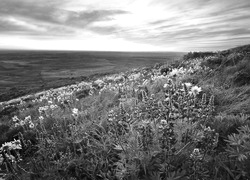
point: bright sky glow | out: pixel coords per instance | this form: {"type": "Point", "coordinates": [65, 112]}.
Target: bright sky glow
{"type": "Point", "coordinates": [124, 25]}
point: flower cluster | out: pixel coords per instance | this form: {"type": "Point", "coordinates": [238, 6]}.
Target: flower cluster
{"type": "Point", "coordinates": [75, 112]}
{"type": "Point", "coordinates": [27, 121]}
{"type": "Point", "coordinates": [9, 152]}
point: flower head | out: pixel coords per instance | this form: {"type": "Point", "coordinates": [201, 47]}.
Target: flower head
{"type": "Point", "coordinates": [195, 90]}
{"type": "Point", "coordinates": [16, 144]}
{"type": "Point", "coordinates": [15, 118]}
{"type": "Point", "coordinates": [22, 122]}
{"type": "Point", "coordinates": [163, 122]}
{"type": "Point", "coordinates": [174, 72]}
{"type": "Point", "coordinates": [41, 118]}
{"type": "Point", "coordinates": [75, 111]}
{"type": "Point", "coordinates": [52, 106]}
{"type": "Point", "coordinates": [31, 125]}
{"type": "Point", "coordinates": [188, 85]}
{"type": "Point", "coordinates": [196, 155]}
{"type": "Point", "coordinates": [166, 86]}
{"type": "Point", "coordinates": [27, 119]}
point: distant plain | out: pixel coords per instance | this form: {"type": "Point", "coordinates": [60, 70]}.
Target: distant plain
{"type": "Point", "coordinates": [23, 72]}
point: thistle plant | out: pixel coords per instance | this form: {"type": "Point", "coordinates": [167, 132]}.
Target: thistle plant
{"type": "Point", "coordinates": [167, 138]}
{"type": "Point", "coordinates": [146, 136]}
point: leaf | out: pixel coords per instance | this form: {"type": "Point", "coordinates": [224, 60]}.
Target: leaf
{"type": "Point", "coordinates": [226, 168]}
{"type": "Point", "coordinates": [155, 176]}
{"type": "Point", "coordinates": [176, 175]}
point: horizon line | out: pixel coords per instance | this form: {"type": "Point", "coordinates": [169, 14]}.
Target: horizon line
{"type": "Point", "coordinates": [72, 50]}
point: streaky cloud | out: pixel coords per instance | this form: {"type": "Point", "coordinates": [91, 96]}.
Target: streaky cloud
{"type": "Point", "coordinates": [179, 24]}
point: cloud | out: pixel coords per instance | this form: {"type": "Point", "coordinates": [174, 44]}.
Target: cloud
{"type": "Point", "coordinates": [27, 9]}
{"type": "Point", "coordinates": [179, 24]}
{"type": "Point", "coordinates": [84, 18]}
{"type": "Point", "coordinates": [219, 23]}
{"type": "Point", "coordinates": [20, 16]}
{"type": "Point", "coordinates": [107, 30]}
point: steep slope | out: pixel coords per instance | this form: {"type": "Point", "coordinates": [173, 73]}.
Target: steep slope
{"type": "Point", "coordinates": [229, 79]}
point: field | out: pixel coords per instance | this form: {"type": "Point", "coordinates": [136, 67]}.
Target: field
{"type": "Point", "coordinates": [24, 72]}
{"type": "Point", "coordinates": [183, 120]}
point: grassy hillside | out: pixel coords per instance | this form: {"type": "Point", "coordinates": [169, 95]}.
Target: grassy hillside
{"type": "Point", "coordinates": [186, 120]}
{"type": "Point", "coordinates": [26, 72]}
{"type": "Point", "coordinates": [229, 79]}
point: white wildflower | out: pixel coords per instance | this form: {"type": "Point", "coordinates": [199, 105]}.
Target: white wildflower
{"type": "Point", "coordinates": [163, 122]}
{"type": "Point", "coordinates": [75, 111]}
{"type": "Point", "coordinates": [196, 155]}
{"type": "Point", "coordinates": [27, 119]}
{"type": "Point", "coordinates": [174, 72]}
{"type": "Point", "coordinates": [52, 106]}
{"type": "Point", "coordinates": [15, 118]}
{"type": "Point", "coordinates": [188, 85]}
{"type": "Point", "coordinates": [31, 125]}
{"type": "Point", "coordinates": [22, 122]}
{"type": "Point", "coordinates": [166, 86]}
{"type": "Point", "coordinates": [195, 90]}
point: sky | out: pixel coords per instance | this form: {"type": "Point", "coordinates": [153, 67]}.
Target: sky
{"type": "Point", "coordinates": [124, 25]}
